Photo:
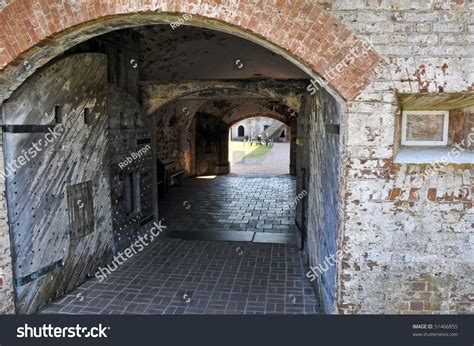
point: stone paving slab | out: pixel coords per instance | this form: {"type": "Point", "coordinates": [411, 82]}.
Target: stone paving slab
{"type": "Point", "coordinates": [256, 237]}
{"type": "Point", "coordinates": [231, 203]}
{"type": "Point", "coordinates": [212, 235]}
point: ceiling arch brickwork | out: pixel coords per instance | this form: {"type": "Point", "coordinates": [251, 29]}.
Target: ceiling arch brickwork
{"type": "Point", "coordinates": [303, 31]}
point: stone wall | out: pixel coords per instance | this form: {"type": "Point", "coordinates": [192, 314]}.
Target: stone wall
{"type": "Point", "coordinates": [318, 173]}
{"type": "Point", "coordinates": [323, 210]}
{"type": "Point", "coordinates": [462, 131]}
{"type": "Point", "coordinates": [4, 3]}
{"type": "Point", "coordinates": [175, 134]}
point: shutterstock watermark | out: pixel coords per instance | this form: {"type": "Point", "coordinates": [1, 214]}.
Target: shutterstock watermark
{"type": "Point", "coordinates": [134, 155]}
{"type": "Point", "coordinates": [324, 267]}
{"type": "Point", "coordinates": [129, 252]}
{"type": "Point", "coordinates": [292, 203]}
{"type": "Point", "coordinates": [450, 157]}
{"type": "Point", "coordinates": [360, 49]}
{"type": "Point", "coordinates": [366, 233]}
{"type": "Point", "coordinates": [48, 331]}
{"type": "Point", "coordinates": [14, 165]}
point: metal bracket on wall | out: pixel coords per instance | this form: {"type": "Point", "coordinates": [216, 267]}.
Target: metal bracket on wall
{"type": "Point", "coordinates": [146, 220]}
{"type": "Point", "coordinates": [37, 274]}
{"type": "Point", "coordinates": [333, 128]}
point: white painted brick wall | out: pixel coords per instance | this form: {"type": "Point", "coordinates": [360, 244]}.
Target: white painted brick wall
{"type": "Point", "coordinates": [390, 244]}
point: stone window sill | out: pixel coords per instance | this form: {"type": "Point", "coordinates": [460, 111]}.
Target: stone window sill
{"type": "Point", "coordinates": [443, 155]}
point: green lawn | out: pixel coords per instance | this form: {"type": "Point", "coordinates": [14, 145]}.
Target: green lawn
{"type": "Point", "coordinates": [250, 151]}
{"type": "Point", "coordinates": [259, 151]}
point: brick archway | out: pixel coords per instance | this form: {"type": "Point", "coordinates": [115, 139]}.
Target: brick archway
{"type": "Point", "coordinates": [304, 33]}
{"type": "Point", "coordinates": [161, 93]}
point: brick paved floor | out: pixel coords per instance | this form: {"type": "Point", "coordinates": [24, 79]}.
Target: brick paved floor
{"type": "Point", "coordinates": [199, 277]}
{"type": "Point", "coordinates": [231, 203]}
{"type": "Point", "coordinates": [276, 162]}
{"type": "Point", "coordinates": [173, 276]}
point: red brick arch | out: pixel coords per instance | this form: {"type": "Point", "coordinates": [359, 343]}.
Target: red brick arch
{"type": "Point", "coordinates": [33, 32]}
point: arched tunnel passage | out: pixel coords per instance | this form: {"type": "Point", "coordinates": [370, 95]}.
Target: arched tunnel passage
{"type": "Point", "coordinates": [263, 150]}
{"type": "Point", "coordinates": [126, 158]}
{"type": "Point", "coordinates": [202, 119]}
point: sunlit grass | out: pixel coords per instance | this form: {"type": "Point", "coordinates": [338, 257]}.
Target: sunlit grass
{"type": "Point", "coordinates": [250, 151]}
{"type": "Point", "coordinates": [260, 151]}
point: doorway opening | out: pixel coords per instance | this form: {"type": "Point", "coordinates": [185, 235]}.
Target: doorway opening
{"type": "Point", "coordinates": [262, 149]}
{"type": "Point", "coordinates": [154, 127]}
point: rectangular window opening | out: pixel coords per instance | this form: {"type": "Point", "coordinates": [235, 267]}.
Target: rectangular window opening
{"type": "Point", "coordinates": [435, 127]}
{"type": "Point", "coordinates": [87, 116]}
{"type": "Point", "coordinates": [132, 193]}
{"type": "Point", "coordinates": [58, 114]}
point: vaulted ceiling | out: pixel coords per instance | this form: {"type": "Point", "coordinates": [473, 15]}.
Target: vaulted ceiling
{"type": "Point", "coordinates": [189, 53]}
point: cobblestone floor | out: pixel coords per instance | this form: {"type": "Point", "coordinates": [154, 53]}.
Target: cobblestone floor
{"type": "Point", "coordinates": [199, 277]}
{"type": "Point", "coordinates": [231, 203]}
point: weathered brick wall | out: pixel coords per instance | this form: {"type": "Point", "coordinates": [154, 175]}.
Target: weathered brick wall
{"type": "Point", "coordinates": [462, 131]}
{"type": "Point", "coordinates": [429, 45]}
{"type": "Point", "coordinates": [406, 248]}
{"type": "Point", "coordinates": [6, 291]}
{"type": "Point", "coordinates": [175, 133]}
{"type": "Point", "coordinates": [326, 138]}
{"type": "Point", "coordinates": [4, 3]}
